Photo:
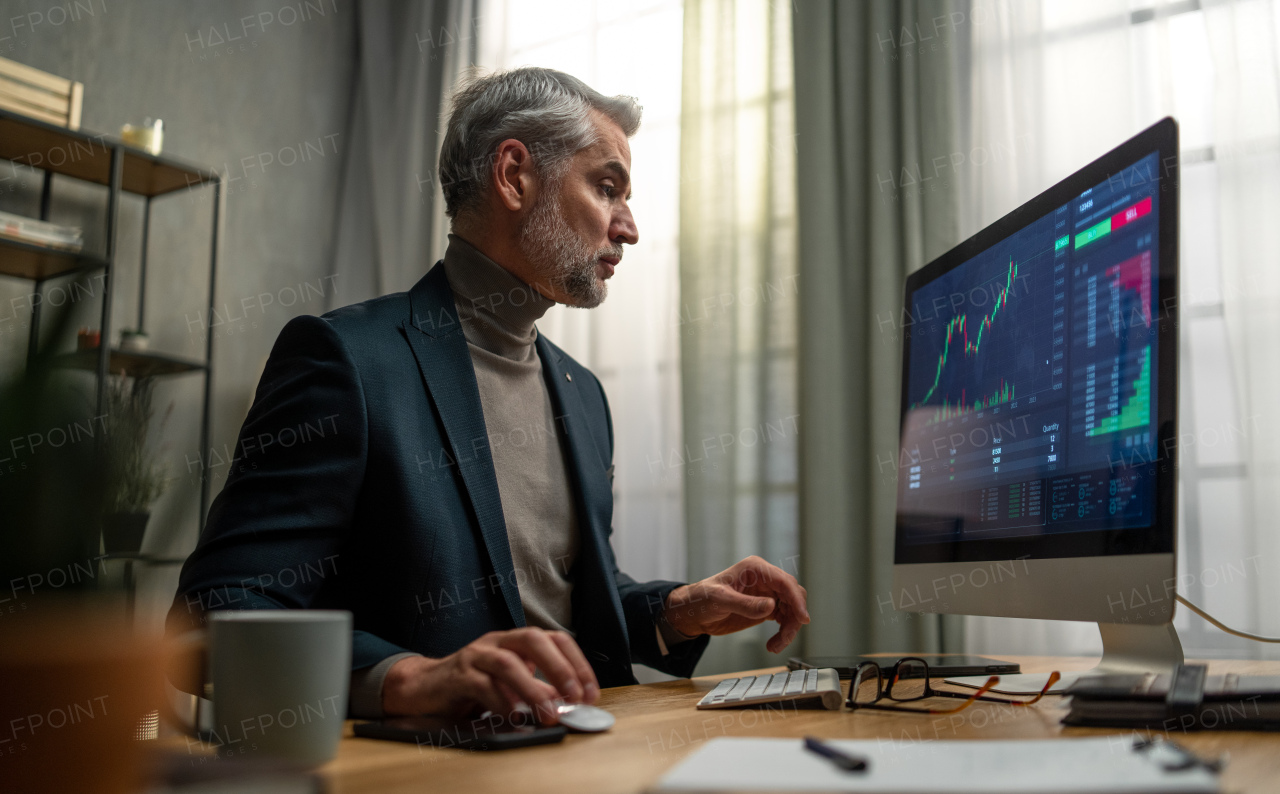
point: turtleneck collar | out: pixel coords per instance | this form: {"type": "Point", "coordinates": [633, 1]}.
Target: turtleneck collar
{"type": "Point", "coordinates": [497, 310]}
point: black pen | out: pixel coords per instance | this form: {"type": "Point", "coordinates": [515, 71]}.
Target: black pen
{"type": "Point", "coordinates": [849, 763]}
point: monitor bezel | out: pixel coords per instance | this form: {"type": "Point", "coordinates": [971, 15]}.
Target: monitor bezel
{"type": "Point", "coordinates": [1161, 535]}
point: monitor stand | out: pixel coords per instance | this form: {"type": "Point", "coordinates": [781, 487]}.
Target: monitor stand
{"type": "Point", "coordinates": [1126, 648]}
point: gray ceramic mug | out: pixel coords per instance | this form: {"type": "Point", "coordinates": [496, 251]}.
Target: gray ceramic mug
{"type": "Point", "coordinates": [280, 679]}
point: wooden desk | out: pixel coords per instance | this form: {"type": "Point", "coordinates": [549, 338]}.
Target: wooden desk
{"type": "Point", "coordinates": [658, 725]}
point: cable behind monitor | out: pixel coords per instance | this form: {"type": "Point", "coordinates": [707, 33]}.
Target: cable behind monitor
{"type": "Point", "coordinates": [1219, 624]}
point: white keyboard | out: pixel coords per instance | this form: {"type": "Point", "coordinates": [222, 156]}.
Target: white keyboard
{"type": "Point", "coordinates": [798, 685]}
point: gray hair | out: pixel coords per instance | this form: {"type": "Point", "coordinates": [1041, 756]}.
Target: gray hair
{"type": "Point", "coordinates": [546, 110]}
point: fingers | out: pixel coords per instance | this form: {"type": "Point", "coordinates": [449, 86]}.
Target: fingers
{"type": "Point", "coordinates": [508, 669]}
{"type": "Point", "coordinates": [783, 585]}
{"type": "Point", "coordinates": [497, 671]}
{"type": "Point", "coordinates": [517, 711]}
{"type": "Point", "coordinates": [748, 606]}
{"type": "Point", "coordinates": [790, 607]}
{"type": "Point", "coordinates": [788, 628]}
{"type": "Point", "coordinates": [775, 643]}
{"type": "Point", "coordinates": [586, 676]}
{"type": "Point", "coordinates": [555, 657]}
{"type": "Point", "coordinates": [490, 693]}
{"type": "Point", "coordinates": [513, 701]}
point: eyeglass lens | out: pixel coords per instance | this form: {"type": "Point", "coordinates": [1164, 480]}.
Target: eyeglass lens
{"type": "Point", "coordinates": [866, 685]}
{"type": "Point", "coordinates": [911, 682]}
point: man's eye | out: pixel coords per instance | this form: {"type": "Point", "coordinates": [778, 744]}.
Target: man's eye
{"type": "Point", "coordinates": [608, 190]}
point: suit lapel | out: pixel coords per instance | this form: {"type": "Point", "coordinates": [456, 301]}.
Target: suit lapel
{"type": "Point", "coordinates": [438, 344]}
{"type": "Point", "coordinates": [598, 622]}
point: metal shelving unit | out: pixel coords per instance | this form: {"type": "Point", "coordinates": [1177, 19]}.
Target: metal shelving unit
{"type": "Point", "coordinates": [122, 169]}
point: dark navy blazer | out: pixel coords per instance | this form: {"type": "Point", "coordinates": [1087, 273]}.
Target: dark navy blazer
{"type": "Point", "coordinates": [363, 480]}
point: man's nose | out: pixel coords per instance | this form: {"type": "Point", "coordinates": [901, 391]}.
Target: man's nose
{"type": "Point", "coordinates": [623, 228]}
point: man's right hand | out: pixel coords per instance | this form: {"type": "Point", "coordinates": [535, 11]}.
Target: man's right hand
{"type": "Point", "coordinates": [494, 672]}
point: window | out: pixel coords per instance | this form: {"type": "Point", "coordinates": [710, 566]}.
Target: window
{"type": "Point", "coordinates": [1073, 80]}
{"type": "Point", "coordinates": [632, 341]}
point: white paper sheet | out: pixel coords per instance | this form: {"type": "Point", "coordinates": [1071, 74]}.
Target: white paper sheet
{"type": "Point", "coordinates": [1105, 765]}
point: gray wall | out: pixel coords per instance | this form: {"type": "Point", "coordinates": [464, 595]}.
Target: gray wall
{"type": "Point", "coordinates": [250, 105]}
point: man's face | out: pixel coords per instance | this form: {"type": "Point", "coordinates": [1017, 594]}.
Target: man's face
{"type": "Point", "coordinates": [574, 234]}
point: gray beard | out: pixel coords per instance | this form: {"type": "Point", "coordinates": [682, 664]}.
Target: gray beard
{"type": "Point", "coordinates": [560, 256]}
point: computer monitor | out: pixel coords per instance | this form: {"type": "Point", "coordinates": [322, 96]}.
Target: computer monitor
{"type": "Point", "coordinates": [1038, 460]}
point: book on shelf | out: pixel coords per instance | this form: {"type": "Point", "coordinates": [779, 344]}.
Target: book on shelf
{"type": "Point", "coordinates": [30, 230]}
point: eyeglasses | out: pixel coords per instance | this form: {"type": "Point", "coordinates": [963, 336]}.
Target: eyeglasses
{"type": "Point", "coordinates": [909, 681]}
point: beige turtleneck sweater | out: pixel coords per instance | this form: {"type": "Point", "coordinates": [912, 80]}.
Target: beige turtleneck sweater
{"type": "Point", "coordinates": [498, 312]}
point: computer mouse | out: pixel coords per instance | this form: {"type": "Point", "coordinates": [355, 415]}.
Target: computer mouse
{"type": "Point", "coordinates": [583, 718]}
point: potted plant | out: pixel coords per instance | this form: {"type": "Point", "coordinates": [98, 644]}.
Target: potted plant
{"type": "Point", "coordinates": [132, 478]}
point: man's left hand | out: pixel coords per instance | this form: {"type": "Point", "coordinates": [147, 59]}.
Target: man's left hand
{"type": "Point", "coordinates": [738, 598]}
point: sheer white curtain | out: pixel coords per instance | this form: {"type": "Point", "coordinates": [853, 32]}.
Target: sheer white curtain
{"type": "Point", "coordinates": [631, 342]}
{"type": "Point", "coordinates": [1057, 84]}
{"type": "Point", "coordinates": [739, 298]}
{"type": "Point", "coordinates": [1244, 38]}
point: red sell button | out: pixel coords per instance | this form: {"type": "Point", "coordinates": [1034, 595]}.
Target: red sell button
{"type": "Point", "coordinates": [1131, 214]}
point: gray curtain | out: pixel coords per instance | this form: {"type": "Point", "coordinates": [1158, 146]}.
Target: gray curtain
{"type": "Point", "coordinates": [875, 116]}
{"type": "Point", "coordinates": [389, 225]}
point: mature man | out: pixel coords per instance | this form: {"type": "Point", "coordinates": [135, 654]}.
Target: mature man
{"type": "Point", "coordinates": [462, 497]}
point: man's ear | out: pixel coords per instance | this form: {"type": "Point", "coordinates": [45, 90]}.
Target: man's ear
{"type": "Point", "coordinates": [513, 175]}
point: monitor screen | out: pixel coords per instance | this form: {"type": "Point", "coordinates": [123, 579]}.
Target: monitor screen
{"type": "Point", "coordinates": [1032, 370]}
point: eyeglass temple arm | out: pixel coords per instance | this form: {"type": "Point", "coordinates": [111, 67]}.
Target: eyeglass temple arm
{"type": "Point", "coordinates": [1054, 677]}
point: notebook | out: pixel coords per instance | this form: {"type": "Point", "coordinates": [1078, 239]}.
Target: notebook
{"type": "Point", "coordinates": [1199, 702]}
{"type": "Point", "coordinates": [1107, 764]}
